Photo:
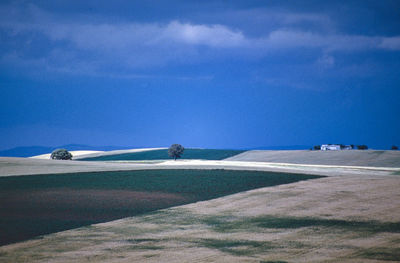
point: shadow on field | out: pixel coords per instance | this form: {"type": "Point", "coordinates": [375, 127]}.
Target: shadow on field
{"type": "Point", "coordinates": [220, 224]}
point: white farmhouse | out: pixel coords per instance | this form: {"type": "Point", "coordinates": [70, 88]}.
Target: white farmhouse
{"type": "Point", "coordinates": [330, 147]}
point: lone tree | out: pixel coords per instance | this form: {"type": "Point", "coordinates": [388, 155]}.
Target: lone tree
{"type": "Point", "coordinates": [61, 154]}
{"type": "Point", "coordinates": [175, 151]}
{"type": "Point", "coordinates": [394, 147]}
{"type": "Point", "coordinates": [317, 147]}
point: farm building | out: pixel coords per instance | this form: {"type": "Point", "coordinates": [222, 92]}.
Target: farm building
{"type": "Point", "coordinates": [330, 147]}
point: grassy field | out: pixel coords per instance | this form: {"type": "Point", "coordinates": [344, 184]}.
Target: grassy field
{"type": "Point", "coordinates": [205, 154]}
{"type": "Point", "coordinates": [331, 219]}
{"type": "Point", "coordinates": [40, 204]}
{"type": "Point", "coordinates": [347, 157]}
{"type": "Point", "coordinates": [352, 215]}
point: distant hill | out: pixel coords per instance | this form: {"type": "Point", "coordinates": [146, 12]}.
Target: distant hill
{"type": "Point", "coordinates": [25, 151]}
{"type": "Point", "coordinates": [205, 154]}
{"type": "Point", "coordinates": [286, 147]}
{"type": "Point", "coordinates": [377, 158]}
{"type": "Point", "coordinates": [28, 151]}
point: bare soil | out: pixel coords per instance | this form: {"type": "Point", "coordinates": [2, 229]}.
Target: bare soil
{"type": "Point", "coordinates": [31, 206]}
{"type": "Point", "coordinates": [26, 214]}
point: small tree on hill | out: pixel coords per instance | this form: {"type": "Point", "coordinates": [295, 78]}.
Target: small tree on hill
{"type": "Point", "coordinates": [175, 151]}
{"type": "Point", "coordinates": [61, 154]}
{"type": "Point", "coordinates": [394, 147]}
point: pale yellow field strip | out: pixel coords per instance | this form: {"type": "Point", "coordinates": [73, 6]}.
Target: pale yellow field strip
{"type": "Point", "coordinates": [88, 153]}
{"type": "Point", "coordinates": [270, 164]}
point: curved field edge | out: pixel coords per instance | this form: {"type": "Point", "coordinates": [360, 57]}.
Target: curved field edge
{"type": "Point", "coordinates": [41, 204]}
{"type": "Point", "coordinates": [331, 219]}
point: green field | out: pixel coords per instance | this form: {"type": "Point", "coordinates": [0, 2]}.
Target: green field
{"type": "Point", "coordinates": [40, 204]}
{"type": "Point", "coordinates": [205, 154]}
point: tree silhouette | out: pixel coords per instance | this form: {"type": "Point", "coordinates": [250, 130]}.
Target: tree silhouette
{"type": "Point", "coordinates": [175, 151]}
{"type": "Point", "coordinates": [61, 154]}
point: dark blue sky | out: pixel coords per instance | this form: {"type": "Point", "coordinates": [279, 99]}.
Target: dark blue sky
{"type": "Point", "coordinates": [216, 74]}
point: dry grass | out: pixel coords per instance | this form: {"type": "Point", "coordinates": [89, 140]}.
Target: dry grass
{"type": "Point", "coordinates": [334, 219]}
{"type": "Point", "coordinates": [345, 157]}
{"type": "Point", "coordinates": [352, 216]}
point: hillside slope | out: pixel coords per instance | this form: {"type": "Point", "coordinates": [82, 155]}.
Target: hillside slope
{"type": "Point", "coordinates": [353, 157]}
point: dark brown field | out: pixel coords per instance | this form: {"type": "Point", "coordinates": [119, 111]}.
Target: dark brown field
{"type": "Point", "coordinates": [31, 206]}
{"type": "Point", "coordinates": [24, 212]}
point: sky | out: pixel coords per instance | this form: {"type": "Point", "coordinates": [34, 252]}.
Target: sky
{"type": "Point", "coordinates": [210, 74]}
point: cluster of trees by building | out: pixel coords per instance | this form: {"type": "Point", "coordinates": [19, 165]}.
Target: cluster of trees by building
{"type": "Point", "coordinates": [362, 147]}
{"type": "Point", "coordinates": [330, 146]}
{"type": "Point", "coordinates": [350, 147]}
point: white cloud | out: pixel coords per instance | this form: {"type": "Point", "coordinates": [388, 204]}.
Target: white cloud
{"type": "Point", "coordinates": [117, 36]}
{"type": "Point", "coordinates": [130, 36]}
{"type": "Point", "coordinates": [208, 35]}
{"type": "Point", "coordinates": [391, 43]}
{"type": "Point", "coordinates": [83, 46]}
{"type": "Point", "coordinates": [285, 39]}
